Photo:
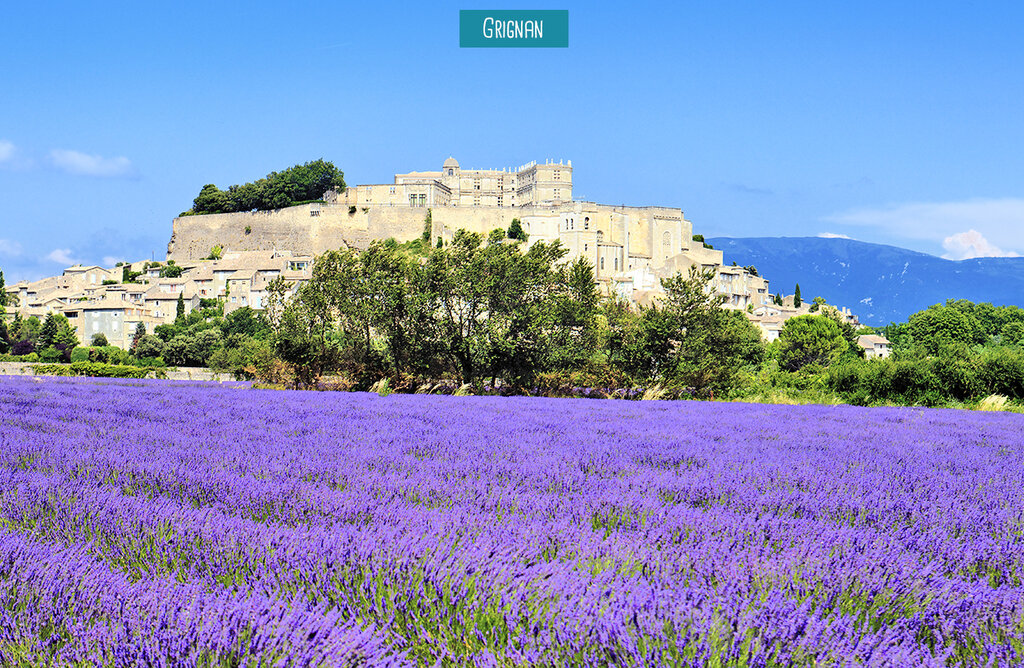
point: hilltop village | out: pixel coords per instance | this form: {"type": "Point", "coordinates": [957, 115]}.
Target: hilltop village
{"type": "Point", "coordinates": [232, 257]}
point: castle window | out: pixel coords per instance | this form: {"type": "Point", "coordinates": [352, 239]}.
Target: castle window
{"type": "Point", "coordinates": [600, 236]}
{"type": "Point", "coordinates": [586, 223]}
{"type": "Point", "coordinates": [616, 264]}
{"type": "Point", "coordinates": [602, 263]}
{"type": "Point", "coordinates": [451, 171]}
{"type": "Point", "coordinates": [585, 247]}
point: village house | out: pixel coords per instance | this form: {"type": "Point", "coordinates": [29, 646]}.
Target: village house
{"type": "Point", "coordinates": [875, 346]}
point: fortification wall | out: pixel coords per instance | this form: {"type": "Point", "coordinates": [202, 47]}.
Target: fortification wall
{"type": "Point", "coordinates": [319, 227]}
{"type": "Point", "coordinates": [308, 228]}
{"type": "Point", "coordinates": [314, 229]}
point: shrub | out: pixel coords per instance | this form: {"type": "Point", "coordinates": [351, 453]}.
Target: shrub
{"type": "Point", "coordinates": [99, 340]}
{"type": "Point", "coordinates": [97, 370]}
{"type": "Point", "coordinates": [958, 376]}
{"type": "Point", "coordinates": [51, 355]}
{"type": "Point", "coordinates": [1001, 371]}
{"type": "Point", "coordinates": [149, 346]}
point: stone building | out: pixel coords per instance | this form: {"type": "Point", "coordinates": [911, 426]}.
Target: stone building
{"type": "Point", "coordinates": [532, 184]}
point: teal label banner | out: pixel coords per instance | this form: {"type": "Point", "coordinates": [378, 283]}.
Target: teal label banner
{"type": "Point", "coordinates": [503, 28]}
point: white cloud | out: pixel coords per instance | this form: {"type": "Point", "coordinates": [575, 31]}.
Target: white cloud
{"type": "Point", "coordinates": [6, 151]}
{"type": "Point", "coordinates": [833, 235]}
{"type": "Point", "coordinates": [75, 162]}
{"type": "Point", "coordinates": [998, 220]}
{"type": "Point", "coordinates": [970, 244]}
{"type": "Point", "coordinates": [110, 260]}
{"type": "Point", "coordinates": [61, 256]}
{"type": "Point", "coordinates": [9, 248]}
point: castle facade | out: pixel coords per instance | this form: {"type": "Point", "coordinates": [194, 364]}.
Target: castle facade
{"type": "Point", "coordinates": [533, 184]}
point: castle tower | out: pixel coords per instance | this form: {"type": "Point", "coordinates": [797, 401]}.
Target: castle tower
{"type": "Point", "coordinates": [450, 174]}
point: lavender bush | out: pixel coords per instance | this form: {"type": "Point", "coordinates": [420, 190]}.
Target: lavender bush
{"type": "Point", "coordinates": [152, 523]}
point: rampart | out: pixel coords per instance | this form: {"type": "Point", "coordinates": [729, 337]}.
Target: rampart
{"type": "Point", "coordinates": [319, 227]}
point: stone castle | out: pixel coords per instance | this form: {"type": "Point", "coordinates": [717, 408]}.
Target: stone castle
{"type": "Point", "coordinates": [630, 247]}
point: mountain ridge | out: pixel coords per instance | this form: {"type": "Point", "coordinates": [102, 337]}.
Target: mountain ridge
{"type": "Point", "coordinates": [878, 282]}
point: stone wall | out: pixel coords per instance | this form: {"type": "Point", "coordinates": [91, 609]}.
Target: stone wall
{"type": "Point", "coordinates": [655, 232]}
{"type": "Point", "coordinates": [316, 228]}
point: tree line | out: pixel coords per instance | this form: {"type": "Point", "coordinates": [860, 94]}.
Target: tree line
{"type": "Point", "coordinates": [485, 313]}
{"type": "Point", "coordinates": [301, 183]}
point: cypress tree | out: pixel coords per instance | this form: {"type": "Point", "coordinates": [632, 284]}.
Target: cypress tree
{"type": "Point", "coordinates": [140, 331]}
{"type": "Point", "coordinates": [181, 309]}
{"type": "Point", "coordinates": [796, 296]}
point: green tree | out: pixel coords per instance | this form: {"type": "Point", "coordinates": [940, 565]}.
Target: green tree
{"type": "Point", "coordinates": [171, 271]}
{"type": "Point", "coordinates": [99, 340]}
{"type": "Point", "coordinates": [810, 339]}
{"type": "Point", "coordinates": [711, 344]}
{"type": "Point", "coordinates": [180, 309]}
{"type": "Point", "coordinates": [148, 346]}
{"type": "Point", "coordinates": [816, 304]}
{"type": "Point", "coordinates": [1013, 332]}
{"type": "Point", "coordinates": [47, 333]}
{"type": "Point", "coordinates": [210, 200]}
{"type": "Point", "coordinates": [515, 230]}
{"type": "Point", "coordinates": [301, 183]}
{"type": "Point", "coordinates": [574, 313]}
{"type": "Point", "coordinates": [3, 293]}
{"type": "Point", "coordinates": [940, 326]}
{"type": "Point", "coordinates": [796, 296]}
{"type": "Point", "coordinates": [247, 323]}
{"type": "Point", "coordinates": [129, 276]}
{"type": "Point", "coordinates": [140, 331]}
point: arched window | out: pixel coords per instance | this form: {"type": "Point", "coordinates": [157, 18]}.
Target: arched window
{"type": "Point", "coordinates": [616, 264]}
{"type": "Point", "coordinates": [451, 171]}
{"type": "Point", "coordinates": [600, 236]}
{"type": "Point", "coordinates": [602, 263]}
{"type": "Point", "coordinates": [586, 223]}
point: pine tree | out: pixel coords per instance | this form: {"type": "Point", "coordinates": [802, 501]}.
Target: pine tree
{"type": "Point", "coordinates": [515, 230]}
{"type": "Point", "coordinates": [47, 334]}
{"type": "Point", "coordinates": [796, 296]}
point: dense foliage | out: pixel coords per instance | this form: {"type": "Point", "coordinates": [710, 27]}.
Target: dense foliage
{"type": "Point", "coordinates": [483, 315]}
{"type": "Point", "coordinates": [146, 523]}
{"type": "Point", "coordinates": [301, 183]}
{"type": "Point", "coordinates": [477, 311]}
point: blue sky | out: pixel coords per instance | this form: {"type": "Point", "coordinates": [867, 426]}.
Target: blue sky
{"type": "Point", "coordinates": [872, 120]}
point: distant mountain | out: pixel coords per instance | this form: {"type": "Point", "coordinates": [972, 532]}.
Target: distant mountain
{"type": "Point", "coordinates": [879, 283]}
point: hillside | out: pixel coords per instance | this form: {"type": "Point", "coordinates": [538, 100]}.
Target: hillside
{"type": "Point", "coordinates": [879, 283]}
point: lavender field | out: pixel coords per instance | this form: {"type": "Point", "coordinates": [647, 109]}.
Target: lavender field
{"type": "Point", "coordinates": [153, 523]}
